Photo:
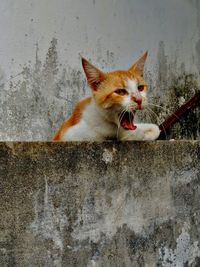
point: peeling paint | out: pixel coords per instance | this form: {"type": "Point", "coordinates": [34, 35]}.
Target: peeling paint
{"type": "Point", "coordinates": [111, 212]}
{"type": "Point", "coordinates": [36, 103]}
{"type": "Point", "coordinates": [107, 156]}
{"type": "Point", "coordinates": [184, 253]}
{"type": "Point", "coordinates": [50, 223]}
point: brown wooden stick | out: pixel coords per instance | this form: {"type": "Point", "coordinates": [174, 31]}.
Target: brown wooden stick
{"type": "Point", "coordinates": [190, 104]}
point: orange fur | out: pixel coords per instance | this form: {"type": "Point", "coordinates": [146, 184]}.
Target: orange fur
{"type": "Point", "coordinates": [113, 80]}
{"type": "Point", "coordinates": [74, 119]}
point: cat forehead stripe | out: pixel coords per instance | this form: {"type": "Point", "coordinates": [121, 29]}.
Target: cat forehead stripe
{"type": "Point", "coordinates": [132, 85]}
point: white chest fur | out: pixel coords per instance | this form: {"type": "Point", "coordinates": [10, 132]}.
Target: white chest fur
{"type": "Point", "coordinates": [93, 126]}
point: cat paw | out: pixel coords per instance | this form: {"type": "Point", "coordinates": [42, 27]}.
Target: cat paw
{"type": "Point", "coordinates": [152, 132]}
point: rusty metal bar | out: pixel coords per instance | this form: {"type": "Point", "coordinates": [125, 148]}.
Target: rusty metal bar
{"type": "Point", "coordinates": [180, 112]}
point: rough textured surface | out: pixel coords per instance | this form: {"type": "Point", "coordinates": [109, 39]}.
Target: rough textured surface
{"type": "Point", "coordinates": [100, 204]}
{"type": "Point", "coordinates": [40, 71]}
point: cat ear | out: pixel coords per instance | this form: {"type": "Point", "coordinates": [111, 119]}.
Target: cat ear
{"type": "Point", "coordinates": [139, 65]}
{"type": "Point", "coordinates": [94, 76]}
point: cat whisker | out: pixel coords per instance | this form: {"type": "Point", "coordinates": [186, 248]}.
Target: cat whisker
{"type": "Point", "coordinates": [165, 109]}
{"type": "Point", "coordinates": [121, 115]}
{"type": "Point", "coordinates": [158, 120]}
{"type": "Point", "coordinates": [156, 105]}
{"type": "Point", "coordinates": [156, 116]}
{"type": "Point", "coordinates": [148, 114]}
{"type": "Point", "coordinates": [120, 119]}
{"type": "Point", "coordinates": [129, 117]}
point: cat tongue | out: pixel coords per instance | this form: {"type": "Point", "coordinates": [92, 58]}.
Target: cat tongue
{"type": "Point", "coordinates": [128, 126]}
{"type": "Point", "coordinates": [127, 122]}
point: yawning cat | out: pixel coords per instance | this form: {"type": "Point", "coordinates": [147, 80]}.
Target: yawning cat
{"type": "Point", "coordinates": [110, 112]}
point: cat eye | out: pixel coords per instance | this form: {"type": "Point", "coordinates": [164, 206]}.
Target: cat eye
{"type": "Point", "coordinates": [141, 88]}
{"type": "Point", "coordinates": [121, 92]}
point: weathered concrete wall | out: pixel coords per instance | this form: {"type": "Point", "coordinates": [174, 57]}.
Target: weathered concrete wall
{"type": "Point", "coordinates": [118, 204]}
{"type": "Point", "coordinates": [41, 77]}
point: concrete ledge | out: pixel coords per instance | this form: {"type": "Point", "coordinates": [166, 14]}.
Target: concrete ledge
{"type": "Point", "coordinates": [100, 204]}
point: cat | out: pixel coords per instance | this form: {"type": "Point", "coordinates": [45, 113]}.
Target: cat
{"type": "Point", "coordinates": [110, 113]}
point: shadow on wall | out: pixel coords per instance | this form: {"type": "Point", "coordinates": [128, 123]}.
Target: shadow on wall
{"type": "Point", "coordinates": [37, 100]}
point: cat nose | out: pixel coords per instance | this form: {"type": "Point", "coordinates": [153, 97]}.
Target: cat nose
{"type": "Point", "coordinates": [137, 100]}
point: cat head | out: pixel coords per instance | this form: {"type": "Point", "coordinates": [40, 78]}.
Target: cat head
{"type": "Point", "coordinates": [118, 91]}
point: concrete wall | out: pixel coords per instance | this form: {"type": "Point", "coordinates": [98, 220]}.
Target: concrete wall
{"type": "Point", "coordinates": [40, 73]}
{"type": "Point", "coordinates": [119, 204]}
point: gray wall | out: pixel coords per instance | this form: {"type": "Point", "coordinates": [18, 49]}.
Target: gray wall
{"type": "Point", "coordinates": [41, 43]}
{"type": "Point", "coordinates": [58, 211]}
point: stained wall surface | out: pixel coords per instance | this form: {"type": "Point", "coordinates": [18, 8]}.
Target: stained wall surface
{"type": "Point", "coordinates": [41, 44]}
{"type": "Point", "coordinates": [61, 206]}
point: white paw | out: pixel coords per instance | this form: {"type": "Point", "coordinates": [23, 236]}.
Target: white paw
{"type": "Point", "coordinates": [136, 135]}
{"type": "Point", "coordinates": [152, 132]}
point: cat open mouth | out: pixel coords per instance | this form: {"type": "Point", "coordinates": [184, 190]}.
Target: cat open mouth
{"type": "Point", "coordinates": [126, 121]}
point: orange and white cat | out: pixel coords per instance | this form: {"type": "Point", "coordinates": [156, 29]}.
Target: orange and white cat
{"type": "Point", "coordinates": [109, 113]}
